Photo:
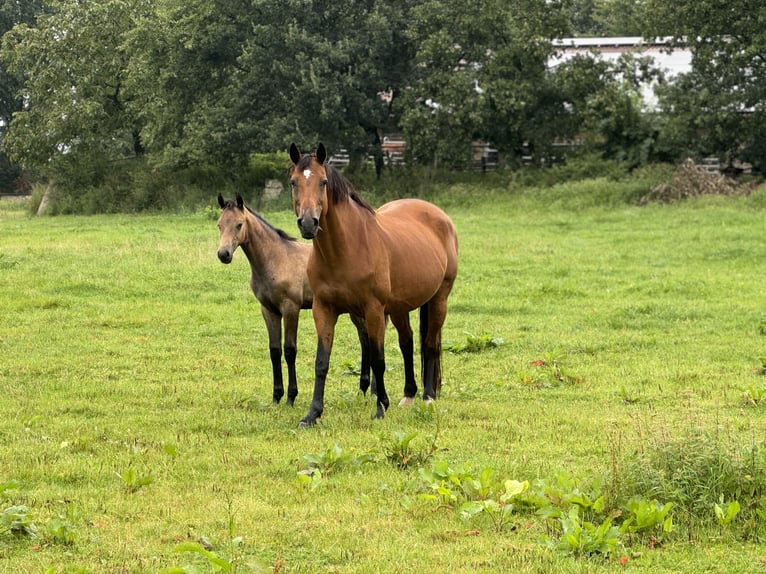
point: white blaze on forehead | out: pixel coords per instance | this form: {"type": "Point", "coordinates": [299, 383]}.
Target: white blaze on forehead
{"type": "Point", "coordinates": [307, 173]}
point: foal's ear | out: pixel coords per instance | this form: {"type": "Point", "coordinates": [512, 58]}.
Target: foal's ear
{"type": "Point", "coordinates": [295, 154]}
{"type": "Point", "coordinates": [240, 203]}
{"type": "Point", "coordinates": [221, 202]}
{"type": "Point", "coordinates": [321, 153]}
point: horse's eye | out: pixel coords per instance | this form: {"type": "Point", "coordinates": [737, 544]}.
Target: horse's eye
{"type": "Point", "coordinates": [239, 226]}
{"type": "Point", "coordinates": [323, 183]}
{"type": "Point", "coordinates": [293, 183]}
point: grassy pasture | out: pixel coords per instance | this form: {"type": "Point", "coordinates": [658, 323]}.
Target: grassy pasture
{"type": "Point", "coordinates": [135, 390]}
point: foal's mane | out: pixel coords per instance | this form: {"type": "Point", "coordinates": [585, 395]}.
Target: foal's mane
{"type": "Point", "coordinates": [339, 187]}
{"type": "Point", "coordinates": [231, 204]}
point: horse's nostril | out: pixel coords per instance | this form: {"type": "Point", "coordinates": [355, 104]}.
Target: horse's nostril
{"type": "Point", "coordinates": [224, 256]}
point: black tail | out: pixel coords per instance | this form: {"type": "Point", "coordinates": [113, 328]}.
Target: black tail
{"type": "Point", "coordinates": [423, 335]}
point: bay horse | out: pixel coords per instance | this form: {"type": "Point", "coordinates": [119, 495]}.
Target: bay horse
{"type": "Point", "coordinates": [375, 264]}
{"type": "Point", "coordinates": [279, 282]}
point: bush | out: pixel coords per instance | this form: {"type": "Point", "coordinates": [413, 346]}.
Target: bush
{"type": "Point", "coordinates": [698, 473]}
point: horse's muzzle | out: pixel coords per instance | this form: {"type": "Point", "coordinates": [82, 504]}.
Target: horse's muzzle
{"type": "Point", "coordinates": [225, 256]}
{"type": "Point", "coordinates": [308, 226]}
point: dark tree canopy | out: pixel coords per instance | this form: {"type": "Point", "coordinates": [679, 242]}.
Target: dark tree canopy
{"type": "Point", "coordinates": [183, 83]}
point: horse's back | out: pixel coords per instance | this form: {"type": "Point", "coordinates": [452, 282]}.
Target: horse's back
{"type": "Point", "coordinates": [414, 225]}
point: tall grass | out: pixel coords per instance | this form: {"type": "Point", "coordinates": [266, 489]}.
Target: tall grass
{"type": "Point", "coordinates": [136, 416]}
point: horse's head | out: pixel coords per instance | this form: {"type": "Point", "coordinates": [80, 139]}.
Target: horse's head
{"type": "Point", "coordinates": [308, 181]}
{"type": "Point", "coordinates": [233, 227]}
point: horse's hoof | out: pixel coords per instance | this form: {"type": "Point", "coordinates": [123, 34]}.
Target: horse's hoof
{"type": "Point", "coordinates": [428, 401]}
{"type": "Point", "coordinates": [407, 401]}
{"type": "Point", "coordinates": [306, 423]}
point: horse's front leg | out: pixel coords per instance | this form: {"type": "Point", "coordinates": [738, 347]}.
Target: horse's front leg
{"type": "Point", "coordinates": [274, 329]}
{"type": "Point", "coordinates": [376, 331]}
{"type": "Point", "coordinates": [325, 319]}
{"type": "Point", "coordinates": [291, 315]}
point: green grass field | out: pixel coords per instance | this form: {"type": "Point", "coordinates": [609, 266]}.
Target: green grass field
{"type": "Point", "coordinates": [135, 414]}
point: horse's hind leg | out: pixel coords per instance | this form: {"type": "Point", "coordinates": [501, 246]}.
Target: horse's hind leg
{"type": "Point", "coordinates": [364, 343]}
{"type": "Point", "coordinates": [407, 347]}
{"type": "Point", "coordinates": [432, 317]}
{"type": "Point", "coordinates": [274, 329]}
{"type": "Point", "coordinates": [291, 351]}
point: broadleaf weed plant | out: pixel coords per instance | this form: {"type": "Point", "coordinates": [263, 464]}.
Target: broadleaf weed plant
{"type": "Point", "coordinates": [474, 344]}
{"type": "Point", "coordinates": [319, 466]}
{"type": "Point", "coordinates": [582, 538]}
{"type": "Point", "coordinates": [399, 450]}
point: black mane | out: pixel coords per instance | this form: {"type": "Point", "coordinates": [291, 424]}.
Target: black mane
{"type": "Point", "coordinates": [339, 187]}
{"type": "Point", "coordinates": [232, 204]}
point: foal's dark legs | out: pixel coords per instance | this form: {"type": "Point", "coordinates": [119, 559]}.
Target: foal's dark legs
{"type": "Point", "coordinates": [274, 329]}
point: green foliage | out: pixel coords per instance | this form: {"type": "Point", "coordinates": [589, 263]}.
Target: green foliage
{"type": "Point", "coordinates": [61, 528]}
{"type": "Point", "coordinates": [16, 519]}
{"type": "Point", "coordinates": [698, 474]}
{"type": "Point", "coordinates": [265, 166]}
{"type": "Point", "coordinates": [319, 466]}
{"type": "Point", "coordinates": [583, 538]}
{"type": "Point", "coordinates": [399, 450]}
{"type": "Point", "coordinates": [704, 107]}
{"type": "Point", "coordinates": [474, 344]}
{"type": "Point", "coordinates": [133, 481]}
{"type": "Point", "coordinates": [648, 518]}
{"type": "Point", "coordinates": [726, 512]}
{"type": "Point", "coordinates": [754, 394]}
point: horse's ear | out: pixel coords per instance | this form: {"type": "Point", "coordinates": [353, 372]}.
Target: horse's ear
{"type": "Point", "coordinates": [295, 154]}
{"type": "Point", "coordinates": [240, 203]}
{"type": "Point", "coordinates": [221, 202]}
{"type": "Point", "coordinates": [321, 153]}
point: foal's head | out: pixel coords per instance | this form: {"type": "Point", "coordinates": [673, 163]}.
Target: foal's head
{"type": "Point", "coordinates": [233, 227]}
{"type": "Point", "coordinates": [308, 181]}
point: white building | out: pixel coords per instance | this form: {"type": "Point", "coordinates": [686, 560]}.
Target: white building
{"type": "Point", "coordinates": [671, 62]}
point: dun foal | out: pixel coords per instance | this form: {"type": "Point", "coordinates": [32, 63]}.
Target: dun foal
{"type": "Point", "coordinates": [279, 282]}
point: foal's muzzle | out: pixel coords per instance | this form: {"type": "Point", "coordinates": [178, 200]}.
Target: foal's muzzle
{"type": "Point", "coordinates": [225, 255]}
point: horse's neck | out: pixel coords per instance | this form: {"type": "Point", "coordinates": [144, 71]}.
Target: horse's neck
{"type": "Point", "coordinates": [260, 245]}
{"type": "Point", "coordinates": [344, 233]}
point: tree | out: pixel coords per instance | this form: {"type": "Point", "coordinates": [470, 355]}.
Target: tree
{"type": "Point", "coordinates": [479, 73]}
{"type": "Point", "coordinates": [329, 64]}
{"type": "Point", "coordinates": [77, 99]}
{"type": "Point", "coordinates": [185, 68]}
{"type": "Point", "coordinates": [12, 13]}
{"type": "Point", "coordinates": [607, 17]}
{"type": "Point", "coordinates": [719, 107]}
{"type": "Point", "coordinates": [605, 105]}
